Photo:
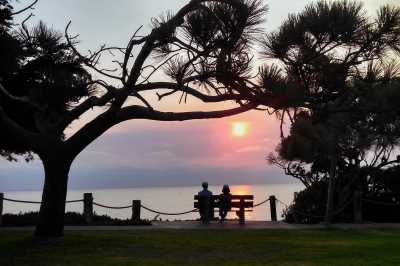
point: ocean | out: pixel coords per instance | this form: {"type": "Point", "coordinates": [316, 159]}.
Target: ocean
{"type": "Point", "coordinates": [163, 199]}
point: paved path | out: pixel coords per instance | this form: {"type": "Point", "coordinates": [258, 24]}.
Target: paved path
{"type": "Point", "coordinates": [192, 225]}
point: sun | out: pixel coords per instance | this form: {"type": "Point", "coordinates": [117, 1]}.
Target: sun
{"type": "Point", "coordinates": [239, 129]}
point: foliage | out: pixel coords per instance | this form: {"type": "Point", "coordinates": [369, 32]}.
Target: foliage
{"type": "Point", "coordinates": [367, 138]}
{"type": "Point", "coordinates": [309, 205]}
{"type": "Point", "coordinates": [381, 202]}
{"type": "Point", "coordinates": [41, 80]}
{"type": "Point", "coordinates": [5, 15]}
{"type": "Point", "coordinates": [343, 65]}
{"type": "Point", "coordinates": [320, 49]}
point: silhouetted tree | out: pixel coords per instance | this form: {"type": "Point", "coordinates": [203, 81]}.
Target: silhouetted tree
{"type": "Point", "coordinates": [322, 53]}
{"type": "Point", "coordinates": [204, 48]}
{"type": "Point", "coordinates": [367, 142]}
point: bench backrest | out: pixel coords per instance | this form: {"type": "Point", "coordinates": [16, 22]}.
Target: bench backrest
{"type": "Point", "coordinates": [235, 203]}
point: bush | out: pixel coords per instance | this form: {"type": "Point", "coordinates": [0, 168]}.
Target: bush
{"type": "Point", "coordinates": [309, 206]}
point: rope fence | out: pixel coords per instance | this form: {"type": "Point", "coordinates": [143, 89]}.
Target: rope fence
{"type": "Point", "coordinates": [112, 207]}
{"type": "Point", "coordinates": [74, 201]}
{"type": "Point", "coordinates": [168, 213]}
{"type": "Point", "coordinates": [261, 203]}
{"type": "Point", "coordinates": [22, 201]}
{"type": "Point", "coordinates": [37, 202]}
{"type": "Point", "coordinates": [136, 206]}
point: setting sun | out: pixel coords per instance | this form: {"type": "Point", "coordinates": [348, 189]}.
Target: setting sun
{"type": "Point", "coordinates": [239, 129]}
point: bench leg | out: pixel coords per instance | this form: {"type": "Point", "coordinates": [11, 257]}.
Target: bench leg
{"type": "Point", "coordinates": [241, 216]}
{"type": "Point", "coordinates": [241, 212]}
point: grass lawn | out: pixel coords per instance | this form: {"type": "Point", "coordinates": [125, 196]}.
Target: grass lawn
{"type": "Point", "coordinates": [214, 247]}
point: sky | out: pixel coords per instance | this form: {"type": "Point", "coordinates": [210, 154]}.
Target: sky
{"type": "Point", "coordinates": [146, 153]}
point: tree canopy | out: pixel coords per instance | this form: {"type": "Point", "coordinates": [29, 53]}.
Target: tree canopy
{"type": "Point", "coordinates": [41, 79]}
{"type": "Point", "coordinates": [344, 66]}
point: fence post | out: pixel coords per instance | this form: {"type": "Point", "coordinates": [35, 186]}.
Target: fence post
{"type": "Point", "coordinates": [88, 207]}
{"type": "Point", "coordinates": [136, 206]}
{"type": "Point", "coordinates": [1, 208]}
{"type": "Point", "coordinates": [272, 205]}
{"type": "Point", "coordinates": [357, 206]}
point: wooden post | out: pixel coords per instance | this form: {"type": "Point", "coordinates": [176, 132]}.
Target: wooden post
{"type": "Point", "coordinates": [272, 206]}
{"type": "Point", "coordinates": [241, 212]}
{"type": "Point", "coordinates": [357, 206]}
{"type": "Point", "coordinates": [1, 208]}
{"type": "Point", "coordinates": [136, 206]}
{"type": "Point", "coordinates": [88, 207]}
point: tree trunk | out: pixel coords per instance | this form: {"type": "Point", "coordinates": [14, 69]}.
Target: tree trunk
{"type": "Point", "coordinates": [52, 209]}
{"type": "Point", "coordinates": [331, 188]}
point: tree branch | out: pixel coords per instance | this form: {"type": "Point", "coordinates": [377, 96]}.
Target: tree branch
{"type": "Point", "coordinates": [84, 59]}
{"type": "Point", "coordinates": [25, 9]}
{"type": "Point", "coordinates": [183, 88]}
{"type": "Point", "coordinates": [140, 112]}
{"type": "Point", "coordinates": [91, 131]}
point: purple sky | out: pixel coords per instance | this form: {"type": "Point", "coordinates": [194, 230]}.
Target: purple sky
{"type": "Point", "coordinates": [145, 153]}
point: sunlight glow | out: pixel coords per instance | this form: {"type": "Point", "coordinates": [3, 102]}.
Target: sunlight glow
{"type": "Point", "coordinates": [241, 189]}
{"type": "Point", "coordinates": [239, 129]}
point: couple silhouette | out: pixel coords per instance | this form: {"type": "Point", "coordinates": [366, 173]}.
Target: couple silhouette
{"type": "Point", "coordinates": [207, 203]}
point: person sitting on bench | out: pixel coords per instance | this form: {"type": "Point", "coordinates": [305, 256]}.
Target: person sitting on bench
{"type": "Point", "coordinates": [205, 202]}
{"type": "Point", "coordinates": [224, 203]}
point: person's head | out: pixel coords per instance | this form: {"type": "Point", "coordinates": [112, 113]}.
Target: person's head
{"type": "Point", "coordinates": [225, 189]}
{"type": "Point", "coordinates": [204, 185]}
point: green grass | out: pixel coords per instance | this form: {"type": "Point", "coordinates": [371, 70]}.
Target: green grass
{"type": "Point", "coordinates": [235, 247]}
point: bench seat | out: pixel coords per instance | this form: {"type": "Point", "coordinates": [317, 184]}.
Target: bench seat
{"type": "Point", "coordinates": [239, 203]}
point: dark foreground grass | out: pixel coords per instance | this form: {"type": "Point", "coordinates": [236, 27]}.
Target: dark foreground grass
{"type": "Point", "coordinates": [235, 247]}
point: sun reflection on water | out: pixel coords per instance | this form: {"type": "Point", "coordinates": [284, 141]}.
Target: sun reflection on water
{"type": "Point", "coordinates": [241, 190]}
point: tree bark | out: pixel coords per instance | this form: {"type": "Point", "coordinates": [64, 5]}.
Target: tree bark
{"type": "Point", "coordinates": [52, 208]}
{"type": "Point", "coordinates": [331, 188]}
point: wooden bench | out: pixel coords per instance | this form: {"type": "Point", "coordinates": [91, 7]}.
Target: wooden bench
{"type": "Point", "coordinates": [240, 204]}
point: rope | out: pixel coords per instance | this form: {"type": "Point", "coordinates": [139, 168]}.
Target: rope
{"type": "Point", "coordinates": [73, 201]}
{"type": "Point", "coordinates": [261, 203]}
{"type": "Point", "coordinates": [381, 202]}
{"type": "Point", "coordinates": [22, 201]}
{"type": "Point", "coordinates": [112, 207]}
{"type": "Point", "coordinates": [166, 213]}
{"type": "Point", "coordinates": [37, 202]}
